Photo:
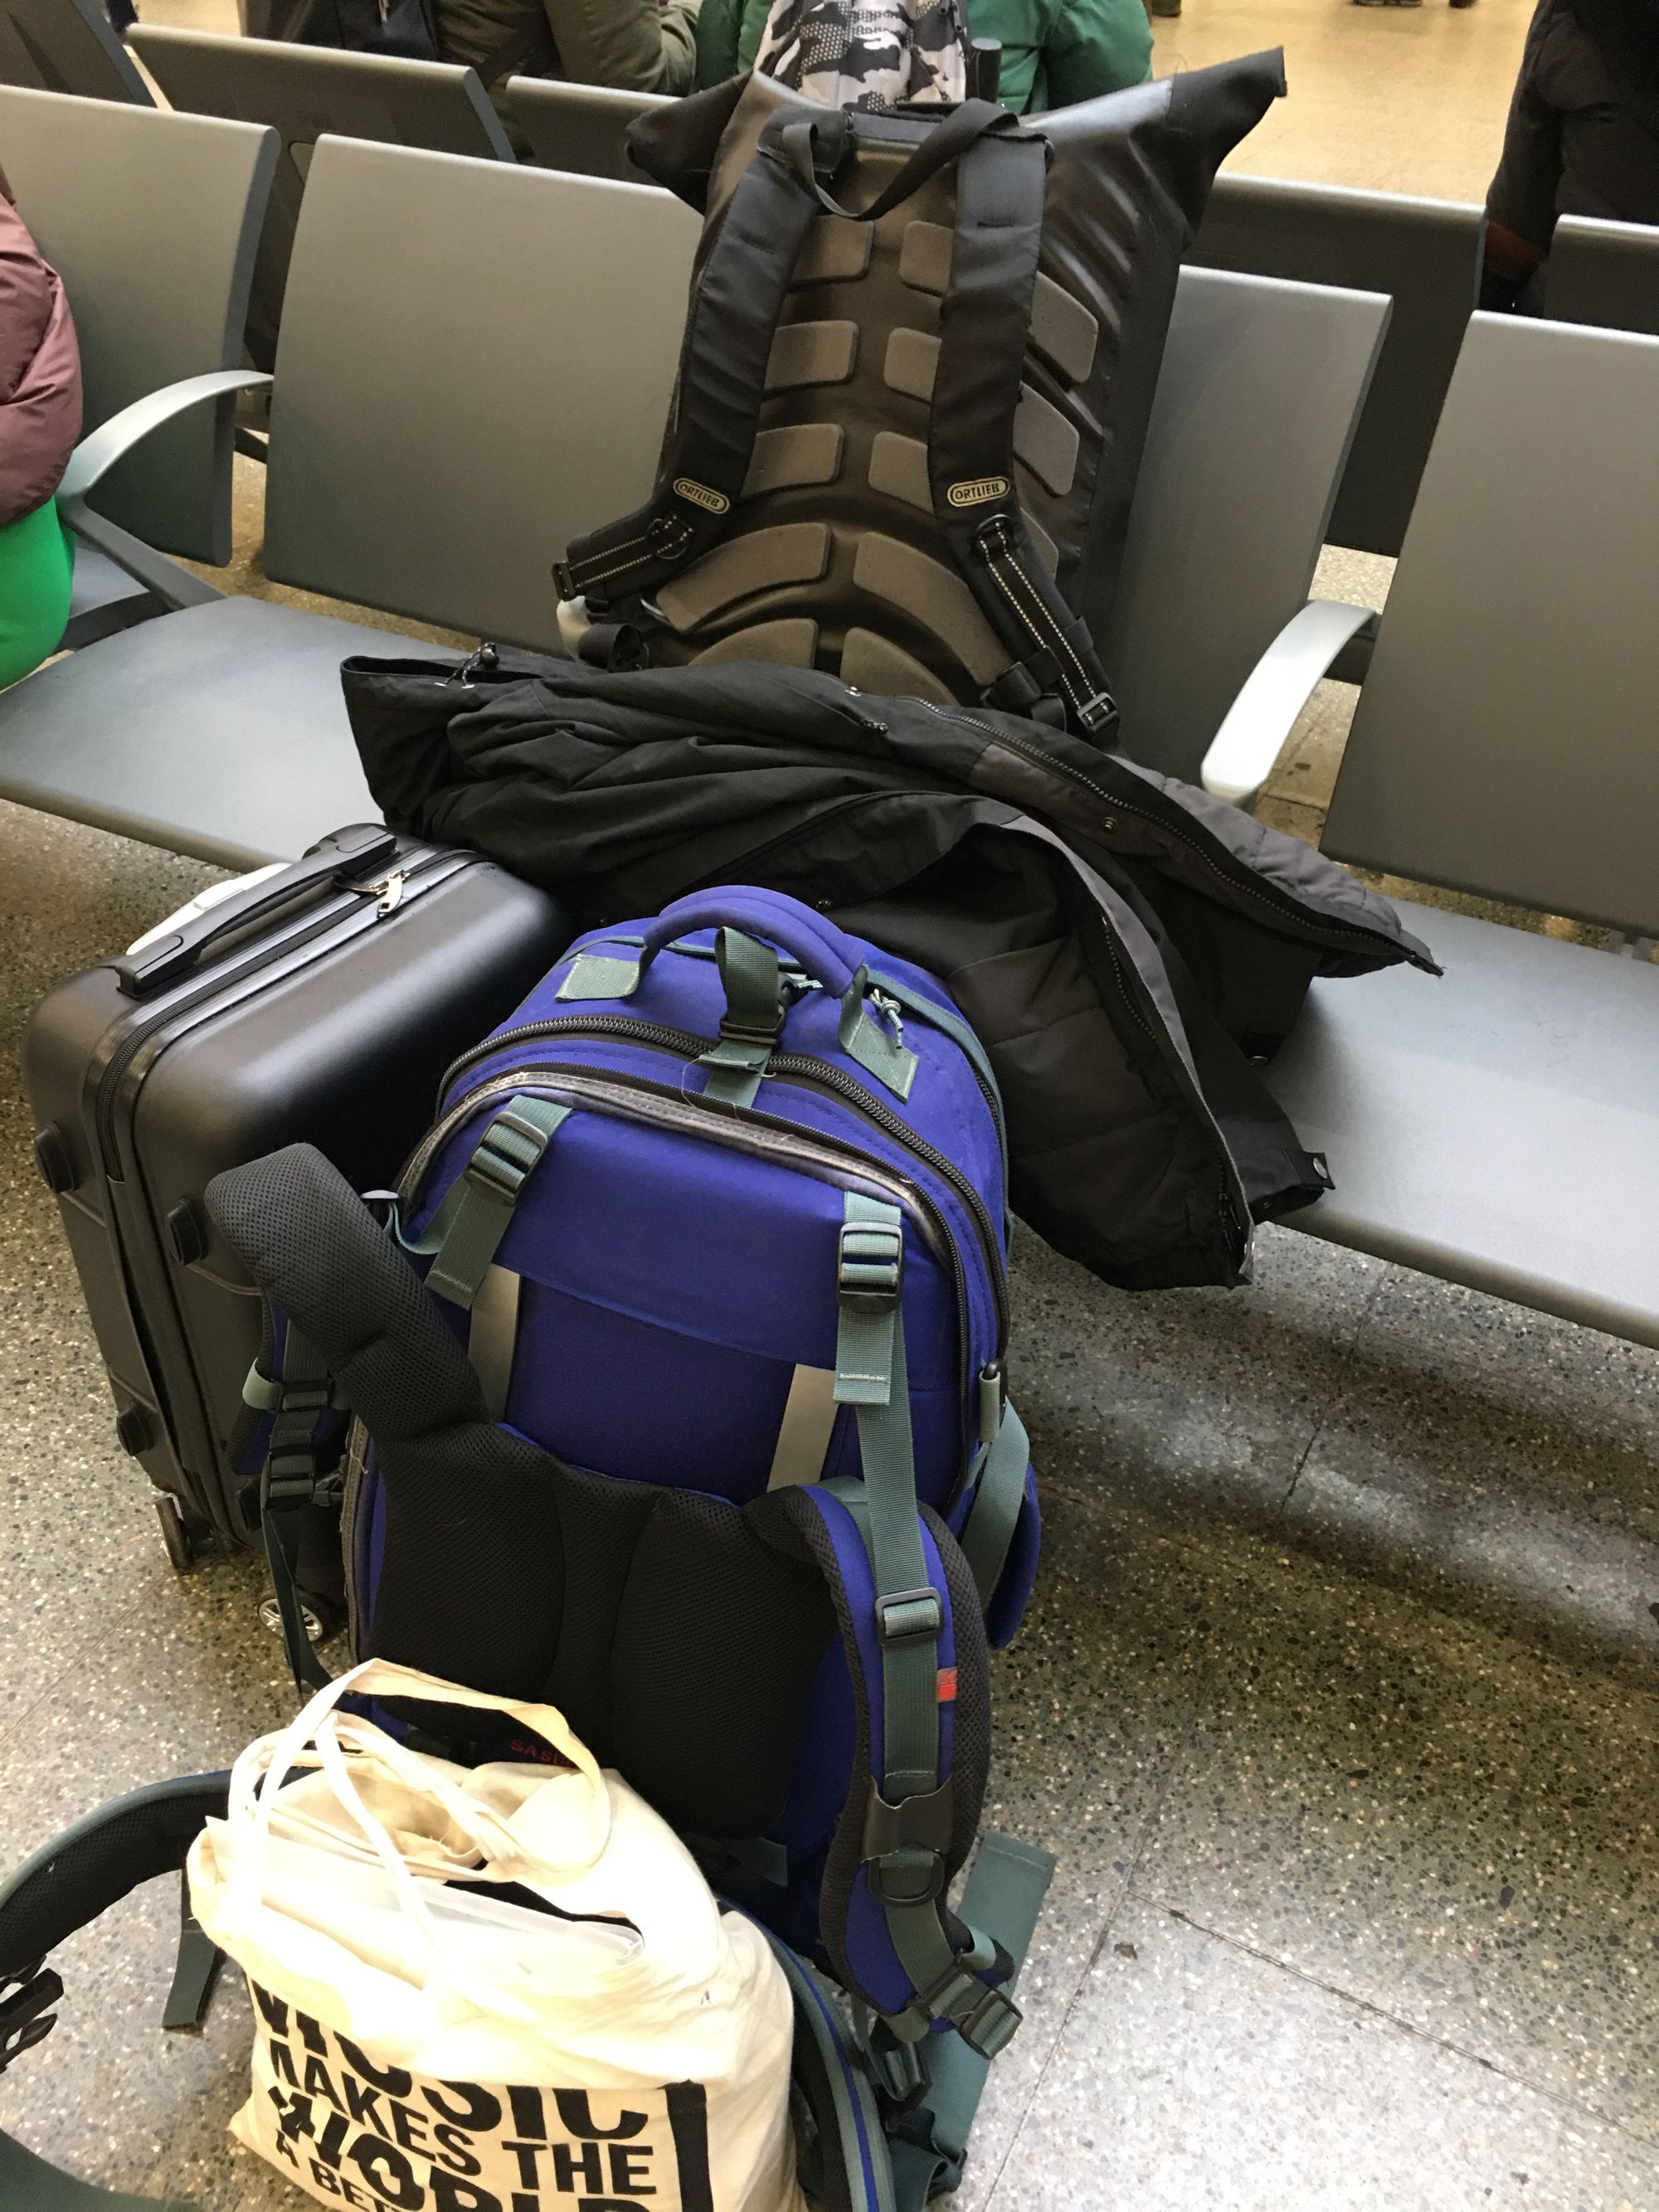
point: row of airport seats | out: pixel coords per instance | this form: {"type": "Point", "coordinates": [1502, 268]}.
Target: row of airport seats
{"type": "Point", "coordinates": [1423, 254]}
{"type": "Point", "coordinates": [1496, 1126]}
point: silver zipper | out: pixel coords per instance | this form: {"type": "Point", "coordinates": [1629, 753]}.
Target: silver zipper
{"type": "Point", "coordinates": [823, 1075]}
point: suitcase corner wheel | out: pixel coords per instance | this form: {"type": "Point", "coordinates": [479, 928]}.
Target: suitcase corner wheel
{"type": "Point", "coordinates": [324, 1618]}
{"type": "Point", "coordinates": [183, 1533]}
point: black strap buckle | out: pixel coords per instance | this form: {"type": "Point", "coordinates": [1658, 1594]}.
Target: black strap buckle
{"type": "Point", "coordinates": [25, 2017]}
{"type": "Point", "coordinates": [870, 1267]}
{"type": "Point", "coordinates": [985, 2019]}
{"type": "Point", "coordinates": [906, 1845]}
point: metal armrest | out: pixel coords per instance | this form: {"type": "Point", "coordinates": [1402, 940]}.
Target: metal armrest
{"type": "Point", "coordinates": [98, 454]}
{"type": "Point", "coordinates": [1243, 749]}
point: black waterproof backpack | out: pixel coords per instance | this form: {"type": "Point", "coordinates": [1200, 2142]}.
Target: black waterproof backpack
{"type": "Point", "coordinates": [919, 362]}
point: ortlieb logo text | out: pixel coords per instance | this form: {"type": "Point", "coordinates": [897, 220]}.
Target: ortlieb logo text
{"type": "Point", "coordinates": [715, 503]}
{"type": "Point", "coordinates": [976, 490]}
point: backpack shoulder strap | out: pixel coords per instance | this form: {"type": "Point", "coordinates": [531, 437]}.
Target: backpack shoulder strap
{"type": "Point", "coordinates": [984, 319]}
{"type": "Point", "coordinates": [736, 301]}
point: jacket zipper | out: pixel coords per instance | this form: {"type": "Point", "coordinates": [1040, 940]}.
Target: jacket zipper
{"type": "Point", "coordinates": [1343, 932]}
{"type": "Point", "coordinates": [807, 1068]}
{"type": "Point", "coordinates": [994, 547]}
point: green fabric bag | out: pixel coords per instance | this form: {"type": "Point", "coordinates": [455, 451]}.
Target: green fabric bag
{"type": "Point", "coordinates": [37, 563]}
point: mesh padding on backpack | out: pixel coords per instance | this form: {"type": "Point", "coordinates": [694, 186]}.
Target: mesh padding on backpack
{"type": "Point", "coordinates": [472, 1577]}
{"type": "Point", "coordinates": [316, 1250]}
{"type": "Point", "coordinates": [718, 1641]}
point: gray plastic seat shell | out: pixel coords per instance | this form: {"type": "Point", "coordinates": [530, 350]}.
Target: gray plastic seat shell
{"type": "Point", "coordinates": [1261, 384]}
{"type": "Point", "coordinates": [152, 221]}
{"type": "Point", "coordinates": [1424, 254]}
{"type": "Point", "coordinates": [1496, 1126]}
{"type": "Point", "coordinates": [67, 46]}
{"type": "Point", "coordinates": [1504, 741]}
{"type": "Point", "coordinates": [218, 732]}
{"type": "Point", "coordinates": [303, 92]}
{"type": "Point", "coordinates": [581, 127]}
{"type": "Point", "coordinates": [1604, 272]}
{"type": "Point", "coordinates": [445, 490]}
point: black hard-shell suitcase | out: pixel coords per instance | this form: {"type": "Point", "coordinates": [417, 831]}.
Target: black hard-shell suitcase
{"type": "Point", "coordinates": [321, 1005]}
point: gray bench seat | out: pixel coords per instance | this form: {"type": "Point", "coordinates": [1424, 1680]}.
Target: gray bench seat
{"type": "Point", "coordinates": [1499, 1127]}
{"type": "Point", "coordinates": [219, 731]}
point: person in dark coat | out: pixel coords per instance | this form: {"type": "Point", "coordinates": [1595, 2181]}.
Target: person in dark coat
{"type": "Point", "coordinates": [1582, 136]}
{"type": "Point", "coordinates": [40, 424]}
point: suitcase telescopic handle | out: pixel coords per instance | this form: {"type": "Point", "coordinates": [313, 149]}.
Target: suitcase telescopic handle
{"type": "Point", "coordinates": [346, 856]}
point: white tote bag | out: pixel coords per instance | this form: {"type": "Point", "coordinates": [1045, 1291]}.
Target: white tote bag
{"type": "Point", "coordinates": [438, 2049]}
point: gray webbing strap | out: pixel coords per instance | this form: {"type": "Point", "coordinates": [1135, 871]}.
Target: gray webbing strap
{"type": "Point", "coordinates": [1005, 1894]}
{"type": "Point", "coordinates": [754, 1015]}
{"type": "Point", "coordinates": [872, 1376]}
{"type": "Point", "coordinates": [291, 1481]}
{"type": "Point", "coordinates": [909, 1820]}
{"type": "Point", "coordinates": [467, 1230]}
{"type": "Point", "coordinates": [999, 1494]}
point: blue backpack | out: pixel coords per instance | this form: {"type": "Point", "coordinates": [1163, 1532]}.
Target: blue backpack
{"type": "Point", "coordinates": [695, 1426]}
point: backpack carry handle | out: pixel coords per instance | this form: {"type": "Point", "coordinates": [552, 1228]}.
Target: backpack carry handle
{"type": "Point", "coordinates": [963, 127]}
{"type": "Point", "coordinates": [794, 929]}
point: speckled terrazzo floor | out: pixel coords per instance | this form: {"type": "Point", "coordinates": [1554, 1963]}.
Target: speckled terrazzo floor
{"type": "Point", "coordinates": [1339, 1704]}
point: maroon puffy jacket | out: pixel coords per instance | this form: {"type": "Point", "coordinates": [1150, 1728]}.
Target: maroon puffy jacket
{"type": "Point", "coordinates": [39, 373]}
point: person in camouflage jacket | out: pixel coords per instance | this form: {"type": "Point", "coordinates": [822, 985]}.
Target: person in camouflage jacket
{"type": "Point", "coordinates": [1055, 52]}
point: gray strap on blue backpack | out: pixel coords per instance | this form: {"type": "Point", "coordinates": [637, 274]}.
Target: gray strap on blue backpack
{"type": "Point", "coordinates": [297, 1392]}
{"type": "Point", "coordinates": [909, 1821]}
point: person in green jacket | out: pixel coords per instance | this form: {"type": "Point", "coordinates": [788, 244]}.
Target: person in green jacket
{"type": "Point", "coordinates": [637, 46]}
{"type": "Point", "coordinates": [1055, 52]}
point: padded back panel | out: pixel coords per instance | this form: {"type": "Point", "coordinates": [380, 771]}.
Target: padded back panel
{"type": "Point", "coordinates": [1503, 742]}
{"type": "Point", "coordinates": [1259, 389]}
{"type": "Point", "coordinates": [1604, 272]}
{"type": "Point", "coordinates": [835, 543]}
{"type": "Point", "coordinates": [578, 127]}
{"type": "Point", "coordinates": [66, 46]}
{"type": "Point", "coordinates": [302, 92]}
{"type": "Point", "coordinates": [450, 408]}
{"type": "Point", "coordinates": [1424, 254]}
{"type": "Point", "coordinates": [151, 220]}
